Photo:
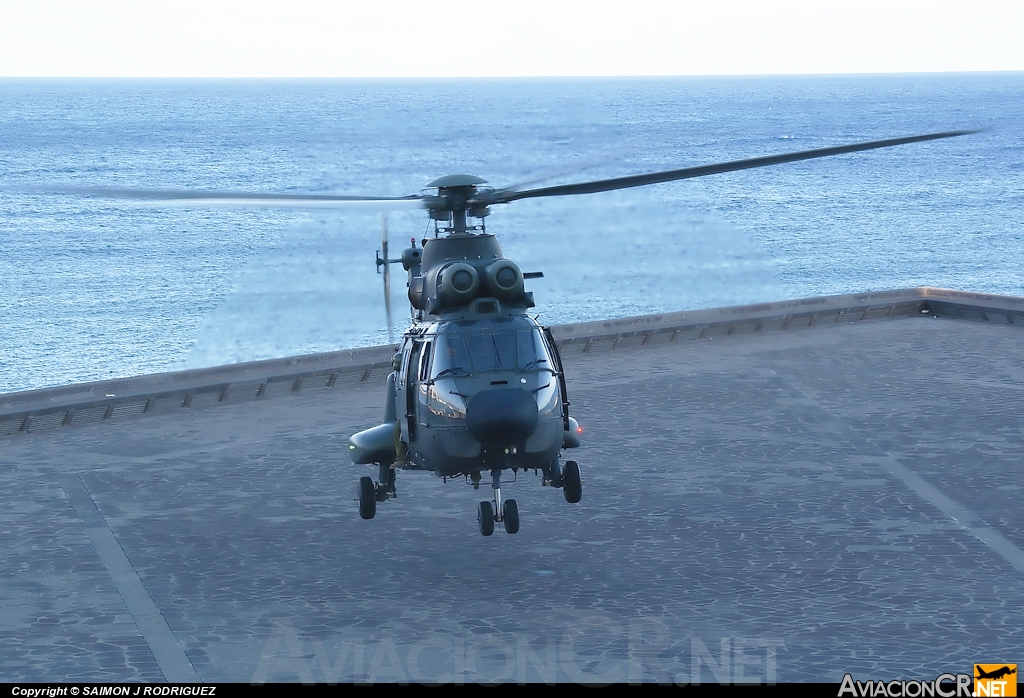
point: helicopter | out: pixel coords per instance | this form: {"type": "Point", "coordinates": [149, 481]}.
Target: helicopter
{"type": "Point", "coordinates": [477, 386]}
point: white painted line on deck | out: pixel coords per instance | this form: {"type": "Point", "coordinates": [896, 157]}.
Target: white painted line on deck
{"type": "Point", "coordinates": [169, 655]}
{"type": "Point", "coordinates": [961, 515]}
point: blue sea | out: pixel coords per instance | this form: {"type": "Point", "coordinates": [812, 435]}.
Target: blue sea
{"type": "Point", "coordinates": [94, 288]}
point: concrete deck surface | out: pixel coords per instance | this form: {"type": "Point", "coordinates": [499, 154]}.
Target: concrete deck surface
{"type": "Point", "coordinates": [782, 507]}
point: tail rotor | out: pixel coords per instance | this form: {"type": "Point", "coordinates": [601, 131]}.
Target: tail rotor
{"type": "Point", "coordinates": [383, 261]}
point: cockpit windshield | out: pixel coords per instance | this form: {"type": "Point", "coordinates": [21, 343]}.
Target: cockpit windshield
{"type": "Point", "coordinates": [460, 354]}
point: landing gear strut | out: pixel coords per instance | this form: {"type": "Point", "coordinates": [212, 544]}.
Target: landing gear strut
{"type": "Point", "coordinates": [567, 477]}
{"type": "Point", "coordinates": [507, 511]}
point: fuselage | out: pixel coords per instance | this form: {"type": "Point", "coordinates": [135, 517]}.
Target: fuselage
{"type": "Point", "coordinates": [477, 394]}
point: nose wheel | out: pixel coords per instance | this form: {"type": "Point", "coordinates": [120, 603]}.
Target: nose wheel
{"type": "Point", "coordinates": [507, 511]}
{"type": "Point", "coordinates": [510, 516]}
{"type": "Point", "coordinates": [485, 517]}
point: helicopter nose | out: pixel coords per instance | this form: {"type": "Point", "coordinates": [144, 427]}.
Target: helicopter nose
{"type": "Point", "coordinates": [502, 417]}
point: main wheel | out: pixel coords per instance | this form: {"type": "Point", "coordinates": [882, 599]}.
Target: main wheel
{"type": "Point", "coordinates": [510, 515]}
{"type": "Point", "coordinates": [485, 516]}
{"type": "Point", "coordinates": [572, 483]}
{"type": "Point", "coordinates": [367, 497]}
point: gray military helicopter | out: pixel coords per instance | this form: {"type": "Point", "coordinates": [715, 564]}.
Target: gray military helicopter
{"type": "Point", "coordinates": [478, 386]}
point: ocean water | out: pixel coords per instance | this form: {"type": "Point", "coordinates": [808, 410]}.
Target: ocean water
{"type": "Point", "coordinates": [93, 288]}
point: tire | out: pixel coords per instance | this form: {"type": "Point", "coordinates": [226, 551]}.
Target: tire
{"type": "Point", "coordinates": [572, 483]}
{"type": "Point", "coordinates": [510, 515]}
{"type": "Point", "coordinates": [485, 517]}
{"type": "Point", "coordinates": [367, 498]}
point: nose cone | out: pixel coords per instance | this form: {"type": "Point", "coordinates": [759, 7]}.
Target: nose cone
{"type": "Point", "coordinates": [501, 417]}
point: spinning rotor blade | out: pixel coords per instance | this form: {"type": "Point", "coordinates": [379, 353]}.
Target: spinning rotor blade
{"type": "Point", "coordinates": [505, 196]}
{"type": "Point", "coordinates": [552, 173]}
{"type": "Point", "coordinates": [184, 197]}
{"type": "Point", "coordinates": [387, 273]}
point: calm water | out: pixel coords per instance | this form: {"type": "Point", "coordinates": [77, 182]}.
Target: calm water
{"type": "Point", "coordinates": [95, 289]}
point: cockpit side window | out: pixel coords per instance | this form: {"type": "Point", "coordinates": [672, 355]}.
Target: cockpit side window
{"type": "Point", "coordinates": [532, 352]}
{"type": "Point", "coordinates": [450, 357]}
{"type": "Point", "coordinates": [412, 363]}
{"type": "Point", "coordinates": [425, 361]}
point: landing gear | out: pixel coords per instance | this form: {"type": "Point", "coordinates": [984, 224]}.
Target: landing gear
{"type": "Point", "coordinates": [553, 474]}
{"type": "Point", "coordinates": [508, 511]}
{"type": "Point", "coordinates": [572, 483]}
{"type": "Point", "coordinates": [485, 517]}
{"type": "Point", "coordinates": [367, 497]}
{"type": "Point", "coordinates": [386, 483]}
{"type": "Point", "coordinates": [510, 516]}
{"type": "Point", "coordinates": [370, 492]}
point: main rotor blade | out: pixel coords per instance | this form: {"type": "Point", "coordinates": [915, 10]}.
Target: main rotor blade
{"type": "Point", "coordinates": [552, 173]}
{"type": "Point", "coordinates": [503, 196]}
{"type": "Point", "coordinates": [184, 197]}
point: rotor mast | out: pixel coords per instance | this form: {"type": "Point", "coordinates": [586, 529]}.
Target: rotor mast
{"type": "Point", "coordinates": [458, 198]}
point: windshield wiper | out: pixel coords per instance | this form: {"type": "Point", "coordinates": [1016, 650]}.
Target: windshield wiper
{"type": "Point", "coordinates": [533, 364]}
{"type": "Point", "coordinates": [497, 353]}
{"type": "Point", "coordinates": [453, 371]}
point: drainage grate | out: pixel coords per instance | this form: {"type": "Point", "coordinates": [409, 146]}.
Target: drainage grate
{"type": "Point", "coordinates": [875, 313]}
{"type": "Point", "coordinates": [601, 344]}
{"type": "Point", "coordinates": [348, 377]}
{"type": "Point", "coordinates": [88, 415]}
{"type": "Point", "coordinates": [377, 375]}
{"type": "Point", "coordinates": [660, 337]}
{"type": "Point", "coordinates": [744, 328]}
{"type": "Point", "coordinates": [10, 426]}
{"type": "Point", "coordinates": [904, 310]}
{"type": "Point", "coordinates": [133, 409]}
{"type": "Point", "coordinates": [39, 422]}
{"type": "Point", "coordinates": [775, 324]}
{"type": "Point", "coordinates": [166, 404]}
{"type": "Point", "coordinates": [210, 397]}
{"type": "Point", "coordinates": [237, 393]}
{"type": "Point", "coordinates": [719, 329]}
{"type": "Point", "coordinates": [279, 387]}
{"type": "Point", "coordinates": [630, 342]}
{"type": "Point", "coordinates": [315, 382]}
{"type": "Point", "coordinates": [688, 334]}
{"type": "Point", "coordinates": [571, 348]}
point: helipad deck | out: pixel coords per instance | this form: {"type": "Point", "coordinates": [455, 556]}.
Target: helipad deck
{"type": "Point", "coordinates": [764, 506]}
